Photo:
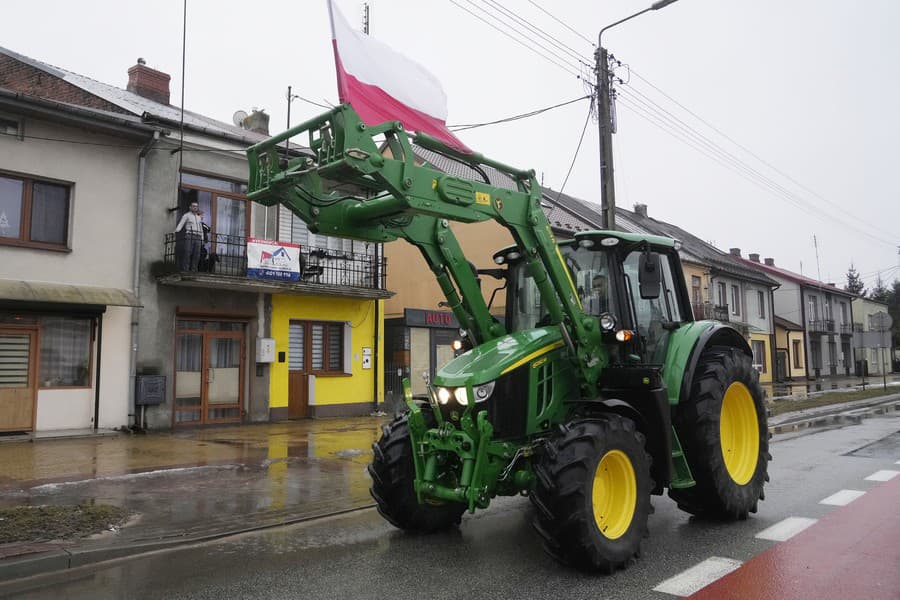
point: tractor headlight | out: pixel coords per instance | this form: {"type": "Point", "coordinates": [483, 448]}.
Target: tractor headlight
{"type": "Point", "coordinates": [607, 322]}
{"type": "Point", "coordinates": [461, 396]}
{"type": "Point", "coordinates": [483, 392]}
{"type": "Point", "coordinates": [443, 395]}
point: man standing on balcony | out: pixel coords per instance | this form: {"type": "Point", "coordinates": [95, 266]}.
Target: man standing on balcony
{"type": "Point", "coordinates": [192, 225]}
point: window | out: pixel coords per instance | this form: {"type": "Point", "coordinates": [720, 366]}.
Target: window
{"type": "Point", "coordinates": [696, 296]}
{"type": "Point", "coordinates": [813, 309]}
{"type": "Point", "coordinates": [761, 302]}
{"type": "Point", "coordinates": [11, 127]}
{"type": "Point", "coordinates": [33, 212]}
{"type": "Point", "coordinates": [735, 300]}
{"type": "Point", "coordinates": [317, 347]}
{"type": "Point", "coordinates": [759, 355]}
{"type": "Point", "coordinates": [65, 352]}
{"type": "Point", "coordinates": [798, 363]}
{"type": "Point", "coordinates": [722, 294]}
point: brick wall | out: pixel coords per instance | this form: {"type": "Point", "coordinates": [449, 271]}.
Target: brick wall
{"type": "Point", "coordinates": [23, 78]}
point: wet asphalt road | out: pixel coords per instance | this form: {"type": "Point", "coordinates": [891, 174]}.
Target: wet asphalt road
{"type": "Point", "coordinates": [495, 553]}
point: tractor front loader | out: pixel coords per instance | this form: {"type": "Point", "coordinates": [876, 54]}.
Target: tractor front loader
{"type": "Point", "coordinates": [598, 390]}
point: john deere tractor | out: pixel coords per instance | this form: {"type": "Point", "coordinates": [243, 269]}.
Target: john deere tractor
{"type": "Point", "coordinates": [597, 391]}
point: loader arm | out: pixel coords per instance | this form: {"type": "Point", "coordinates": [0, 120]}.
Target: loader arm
{"type": "Point", "coordinates": [344, 185]}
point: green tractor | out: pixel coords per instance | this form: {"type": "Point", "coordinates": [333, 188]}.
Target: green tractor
{"type": "Point", "coordinates": [597, 391]}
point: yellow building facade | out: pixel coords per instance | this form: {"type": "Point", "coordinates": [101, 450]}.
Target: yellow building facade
{"type": "Point", "coordinates": [326, 356]}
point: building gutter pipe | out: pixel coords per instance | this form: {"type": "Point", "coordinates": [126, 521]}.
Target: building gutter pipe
{"type": "Point", "coordinates": [136, 282]}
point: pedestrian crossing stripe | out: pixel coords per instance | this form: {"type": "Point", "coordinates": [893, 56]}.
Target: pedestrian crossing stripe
{"type": "Point", "coordinates": [883, 475]}
{"type": "Point", "coordinates": [785, 529]}
{"type": "Point", "coordinates": [698, 577]}
{"type": "Point", "coordinates": [842, 498]}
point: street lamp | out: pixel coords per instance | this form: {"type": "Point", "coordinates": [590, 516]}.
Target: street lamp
{"type": "Point", "coordinates": [607, 182]}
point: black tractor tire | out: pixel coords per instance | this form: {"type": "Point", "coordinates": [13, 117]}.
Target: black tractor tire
{"type": "Point", "coordinates": [730, 475]}
{"type": "Point", "coordinates": [393, 473]}
{"type": "Point", "coordinates": [577, 529]}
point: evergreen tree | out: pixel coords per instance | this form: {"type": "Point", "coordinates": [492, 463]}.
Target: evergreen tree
{"type": "Point", "coordinates": [854, 283]}
{"type": "Point", "coordinates": [879, 292]}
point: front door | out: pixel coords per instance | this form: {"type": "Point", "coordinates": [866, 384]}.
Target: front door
{"type": "Point", "coordinates": [18, 381]}
{"type": "Point", "coordinates": [209, 382]}
{"type": "Point", "coordinates": [781, 365]}
{"type": "Point", "coordinates": [298, 377]}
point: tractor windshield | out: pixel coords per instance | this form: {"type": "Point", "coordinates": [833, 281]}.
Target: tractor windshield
{"type": "Point", "coordinates": [652, 314]}
{"type": "Point", "coordinates": [590, 273]}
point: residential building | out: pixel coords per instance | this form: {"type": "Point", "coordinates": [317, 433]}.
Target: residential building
{"type": "Point", "coordinates": [790, 356]}
{"type": "Point", "coordinates": [825, 312]}
{"type": "Point", "coordinates": [871, 345]}
{"type": "Point", "coordinates": [201, 324]}
{"type": "Point", "coordinates": [68, 197]}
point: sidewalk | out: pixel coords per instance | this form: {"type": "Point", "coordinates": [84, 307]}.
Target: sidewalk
{"type": "Point", "coordinates": [200, 484]}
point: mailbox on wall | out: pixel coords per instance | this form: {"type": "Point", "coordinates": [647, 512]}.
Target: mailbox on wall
{"type": "Point", "coordinates": [265, 350]}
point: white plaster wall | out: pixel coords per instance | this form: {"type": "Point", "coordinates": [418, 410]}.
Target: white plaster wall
{"type": "Point", "coordinates": [64, 409]}
{"type": "Point", "coordinates": [114, 375]}
{"type": "Point", "coordinates": [103, 200]}
{"type": "Point", "coordinates": [764, 324]}
{"type": "Point", "coordinates": [787, 301]}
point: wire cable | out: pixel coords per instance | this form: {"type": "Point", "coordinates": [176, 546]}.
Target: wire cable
{"type": "Point", "coordinates": [585, 60]}
{"type": "Point", "coordinates": [567, 26]}
{"type": "Point", "coordinates": [561, 65]}
{"type": "Point", "coordinates": [533, 113]}
{"type": "Point", "coordinates": [747, 150]}
{"type": "Point", "coordinates": [577, 150]}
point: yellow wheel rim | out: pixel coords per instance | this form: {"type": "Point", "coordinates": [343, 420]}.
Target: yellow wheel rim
{"type": "Point", "coordinates": [614, 495]}
{"type": "Point", "coordinates": [739, 433]}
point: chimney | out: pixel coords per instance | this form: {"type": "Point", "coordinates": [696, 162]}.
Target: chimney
{"type": "Point", "coordinates": [754, 257]}
{"type": "Point", "coordinates": [640, 210]}
{"type": "Point", "coordinates": [770, 262]}
{"type": "Point", "coordinates": [735, 252]}
{"type": "Point", "coordinates": [257, 122]}
{"type": "Point", "coordinates": [832, 284]}
{"type": "Point", "coordinates": [149, 83]}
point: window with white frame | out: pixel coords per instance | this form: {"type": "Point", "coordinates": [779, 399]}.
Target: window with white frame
{"type": "Point", "coordinates": [759, 355]}
{"type": "Point", "coordinates": [761, 302]}
{"type": "Point", "coordinates": [735, 300]}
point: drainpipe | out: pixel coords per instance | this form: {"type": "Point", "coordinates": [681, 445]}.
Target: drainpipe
{"type": "Point", "coordinates": [99, 362]}
{"type": "Point", "coordinates": [136, 269]}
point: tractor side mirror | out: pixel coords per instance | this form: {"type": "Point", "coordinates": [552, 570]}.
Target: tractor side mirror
{"type": "Point", "coordinates": [649, 279]}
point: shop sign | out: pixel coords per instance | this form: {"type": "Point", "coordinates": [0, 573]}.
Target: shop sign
{"type": "Point", "coordinates": [416, 317]}
{"type": "Point", "coordinates": [267, 259]}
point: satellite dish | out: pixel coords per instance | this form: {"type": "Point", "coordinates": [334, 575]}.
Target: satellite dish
{"type": "Point", "coordinates": [238, 118]}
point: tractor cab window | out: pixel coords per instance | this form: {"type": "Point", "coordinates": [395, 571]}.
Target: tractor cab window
{"type": "Point", "coordinates": [652, 314]}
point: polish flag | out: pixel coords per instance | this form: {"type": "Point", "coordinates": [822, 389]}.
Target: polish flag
{"type": "Point", "coordinates": [383, 85]}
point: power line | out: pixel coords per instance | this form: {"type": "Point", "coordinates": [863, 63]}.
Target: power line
{"type": "Point", "coordinates": [585, 60]}
{"type": "Point", "coordinates": [744, 148]}
{"type": "Point", "coordinates": [577, 150]}
{"type": "Point", "coordinates": [515, 117]}
{"type": "Point", "coordinates": [107, 145]}
{"type": "Point", "coordinates": [555, 60]}
{"type": "Point", "coordinates": [540, 8]}
{"type": "Point", "coordinates": [649, 105]}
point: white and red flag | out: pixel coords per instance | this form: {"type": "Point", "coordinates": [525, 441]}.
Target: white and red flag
{"type": "Point", "coordinates": [383, 85]}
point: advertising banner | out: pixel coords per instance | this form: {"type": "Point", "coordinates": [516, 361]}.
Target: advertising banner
{"type": "Point", "coordinates": [267, 259]}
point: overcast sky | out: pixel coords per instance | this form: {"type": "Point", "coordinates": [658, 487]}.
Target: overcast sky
{"type": "Point", "coordinates": [811, 87]}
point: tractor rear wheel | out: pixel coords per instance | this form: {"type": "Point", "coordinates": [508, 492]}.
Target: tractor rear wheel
{"type": "Point", "coordinates": [393, 474]}
{"type": "Point", "coordinates": [593, 493]}
{"type": "Point", "coordinates": [722, 427]}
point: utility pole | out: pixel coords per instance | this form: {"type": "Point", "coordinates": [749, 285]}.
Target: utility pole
{"type": "Point", "coordinates": [601, 68]}
{"type": "Point", "coordinates": [366, 18]}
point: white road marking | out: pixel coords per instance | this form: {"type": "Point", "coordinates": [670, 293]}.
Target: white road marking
{"type": "Point", "coordinates": [786, 529]}
{"type": "Point", "coordinates": [697, 577]}
{"type": "Point", "coordinates": [883, 475]}
{"type": "Point", "coordinates": [842, 498]}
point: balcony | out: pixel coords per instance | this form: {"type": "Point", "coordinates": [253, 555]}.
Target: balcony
{"type": "Point", "coordinates": [846, 329]}
{"type": "Point", "coordinates": [223, 265]}
{"type": "Point", "coordinates": [710, 311]}
{"type": "Point", "coordinates": [821, 326]}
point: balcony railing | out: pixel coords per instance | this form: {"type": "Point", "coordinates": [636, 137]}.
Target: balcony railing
{"type": "Point", "coordinates": [708, 310]}
{"type": "Point", "coordinates": [846, 329]}
{"type": "Point", "coordinates": [227, 255]}
{"type": "Point", "coordinates": [821, 326]}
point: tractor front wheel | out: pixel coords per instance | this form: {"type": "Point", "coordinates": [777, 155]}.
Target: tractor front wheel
{"type": "Point", "coordinates": [393, 475]}
{"type": "Point", "coordinates": [722, 427]}
{"type": "Point", "coordinates": [593, 493]}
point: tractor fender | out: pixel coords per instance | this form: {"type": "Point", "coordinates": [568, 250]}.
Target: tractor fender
{"type": "Point", "coordinates": [687, 345]}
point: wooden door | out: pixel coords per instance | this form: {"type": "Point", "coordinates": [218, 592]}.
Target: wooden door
{"type": "Point", "coordinates": [298, 375]}
{"type": "Point", "coordinates": [18, 380]}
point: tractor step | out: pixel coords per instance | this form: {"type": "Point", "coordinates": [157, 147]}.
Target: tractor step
{"type": "Point", "coordinates": [682, 477]}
